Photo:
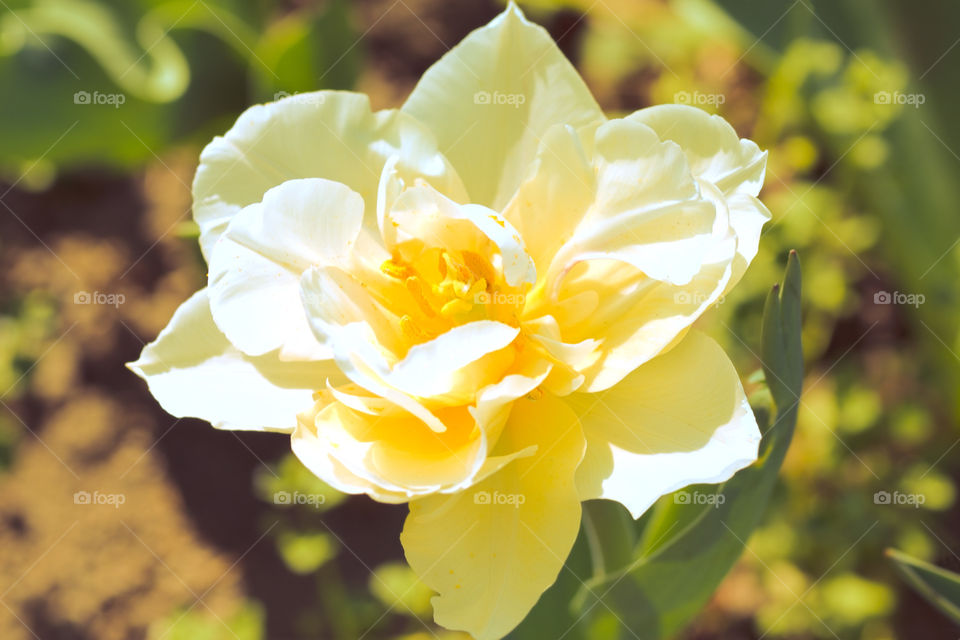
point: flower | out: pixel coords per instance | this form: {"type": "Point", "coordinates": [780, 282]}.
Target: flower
{"type": "Point", "coordinates": [479, 304]}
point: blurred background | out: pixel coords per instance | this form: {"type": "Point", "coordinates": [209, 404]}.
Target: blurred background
{"type": "Point", "coordinates": [119, 522]}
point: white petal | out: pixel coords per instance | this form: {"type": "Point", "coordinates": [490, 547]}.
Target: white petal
{"type": "Point", "coordinates": [647, 209]}
{"type": "Point", "coordinates": [255, 266]}
{"type": "Point", "coordinates": [326, 134]}
{"type": "Point", "coordinates": [359, 356]}
{"type": "Point", "coordinates": [713, 149]}
{"type": "Point", "coordinates": [559, 191]}
{"type": "Point", "coordinates": [435, 368]}
{"type": "Point", "coordinates": [335, 297]}
{"type": "Point", "coordinates": [492, 97]}
{"type": "Point", "coordinates": [193, 371]}
{"type": "Point", "coordinates": [716, 154]}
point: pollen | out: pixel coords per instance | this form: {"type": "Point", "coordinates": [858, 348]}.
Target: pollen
{"type": "Point", "coordinates": [395, 269]}
{"type": "Point", "coordinates": [412, 331]}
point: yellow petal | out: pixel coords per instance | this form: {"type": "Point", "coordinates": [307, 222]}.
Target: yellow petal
{"type": "Point", "coordinates": [492, 97]}
{"type": "Point", "coordinates": [360, 443]}
{"type": "Point", "coordinates": [680, 419]}
{"type": "Point", "coordinates": [392, 453]}
{"type": "Point", "coordinates": [491, 551]}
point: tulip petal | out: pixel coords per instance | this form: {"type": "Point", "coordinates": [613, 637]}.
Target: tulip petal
{"type": "Point", "coordinates": [649, 318]}
{"type": "Point", "coordinates": [716, 154]}
{"type": "Point", "coordinates": [713, 149]}
{"type": "Point", "coordinates": [492, 97]}
{"type": "Point", "coordinates": [256, 265]}
{"type": "Point", "coordinates": [646, 209]}
{"type": "Point", "coordinates": [393, 454]}
{"type": "Point", "coordinates": [326, 134]}
{"type": "Point", "coordinates": [680, 419]}
{"type": "Point", "coordinates": [490, 560]}
{"type": "Point", "coordinates": [193, 371]}
{"type": "Point", "coordinates": [338, 444]}
{"type": "Point", "coordinates": [560, 189]}
{"type": "Point", "coordinates": [444, 366]}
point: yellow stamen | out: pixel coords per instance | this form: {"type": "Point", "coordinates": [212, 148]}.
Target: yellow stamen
{"type": "Point", "coordinates": [455, 307]}
{"type": "Point", "coordinates": [479, 266]}
{"type": "Point", "coordinates": [395, 270]}
{"type": "Point", "coordinates": [412, 331]}
{"type": "Point", "coordinates": [415, 287]}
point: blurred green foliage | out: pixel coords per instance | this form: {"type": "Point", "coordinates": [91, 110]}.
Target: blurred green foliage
{"type": "Point", "coordinates": [199, 623]}
{"type": "Point", "coordinates": [126, 79]}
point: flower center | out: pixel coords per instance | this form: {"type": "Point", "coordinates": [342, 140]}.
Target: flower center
{"type": "Point", "coordinates": [450, 288]}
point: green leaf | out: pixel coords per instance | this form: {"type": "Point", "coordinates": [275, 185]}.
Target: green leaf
{"type": "Point", "coordinates": [610, 535]}
{"type": "Point", "coordinates": [687, 549]}
{"type": "Point", "coordinates": [940, 587]}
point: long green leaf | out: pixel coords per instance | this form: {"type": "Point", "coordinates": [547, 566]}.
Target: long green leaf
{"type": "Point", "coordinates": [940, 587]}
